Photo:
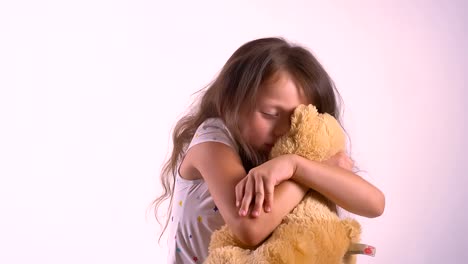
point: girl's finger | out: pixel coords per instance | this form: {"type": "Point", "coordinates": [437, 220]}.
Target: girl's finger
{"type": "Point", "coordinates": [247, 197]}
{"type": "Point", "coordinates": [240, 187]}
{"type": "Point", "coordinates": [269, 190]}
{"type": "Point", "coordinates": [259, 196]}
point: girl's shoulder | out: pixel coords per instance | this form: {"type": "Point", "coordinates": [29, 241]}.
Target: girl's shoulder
{"type": "Point", "coordinates": [212, 122]}
{"type": "Point", "coordinates": [213, 130]}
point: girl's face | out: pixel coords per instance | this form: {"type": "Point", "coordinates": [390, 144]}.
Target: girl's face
{"type": "Point", "coordinates": [270, 118]}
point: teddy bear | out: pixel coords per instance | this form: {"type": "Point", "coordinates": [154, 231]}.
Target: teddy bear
{"type": "Point", "coordinates": [312, 233]}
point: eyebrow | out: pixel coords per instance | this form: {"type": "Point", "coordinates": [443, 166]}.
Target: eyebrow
{"type": "Point", "coordinates": [277, 106]}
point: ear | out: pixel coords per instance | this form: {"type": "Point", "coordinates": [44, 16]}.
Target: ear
{"type": "Point", "coordinates": [303, 114]}
{"type": "Point", "coordinates": [353, 229]}
{"type": "Point", "coordinates": [336, 134]}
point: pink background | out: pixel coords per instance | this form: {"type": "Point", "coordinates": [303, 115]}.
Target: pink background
{"type": "Point", "coordinates": [90, 90]}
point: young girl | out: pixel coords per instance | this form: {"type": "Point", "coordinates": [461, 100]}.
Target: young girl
{"type": "Point", "coordinates": [218, 172]}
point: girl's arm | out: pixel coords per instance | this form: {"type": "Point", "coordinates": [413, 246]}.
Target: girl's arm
{"type": "Point", "coordinates": [221, 168]}
{"type": "Point", "coordinates": [345, 188]}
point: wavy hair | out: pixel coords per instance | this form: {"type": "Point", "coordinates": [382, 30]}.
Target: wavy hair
{"type": "Point", "coordinates": [236, 87]}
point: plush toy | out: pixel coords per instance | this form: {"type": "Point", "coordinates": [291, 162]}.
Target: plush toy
{"type": "Point", "coordinates": [312, 233]}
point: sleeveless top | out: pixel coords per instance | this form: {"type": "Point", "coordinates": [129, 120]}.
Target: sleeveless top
{"type": "Point", "coordinates": [194, 215]}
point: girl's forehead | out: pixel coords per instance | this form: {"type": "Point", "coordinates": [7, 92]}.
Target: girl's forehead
{"type": "Point", "coordinates": [281, 90]}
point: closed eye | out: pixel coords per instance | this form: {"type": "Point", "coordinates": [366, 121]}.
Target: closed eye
{"type": "Point", "coordinates": [270, 115]}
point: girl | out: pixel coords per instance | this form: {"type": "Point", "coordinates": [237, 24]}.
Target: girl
{"type": "Point", "coordinates": [217, 172]}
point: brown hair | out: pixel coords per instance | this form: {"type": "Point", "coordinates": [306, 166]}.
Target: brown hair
{"type": "Point", "coordinates": [236, 88]}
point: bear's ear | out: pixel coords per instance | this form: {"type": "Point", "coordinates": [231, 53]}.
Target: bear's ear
{"type": "Point", "coordinates": [336, 134]}
{"type": "Point", "coordinates": [353, 228]}
{"type": "Point", "coordinates": [302, 114]}
{"type": "Point", "coordinates": [305, 110]}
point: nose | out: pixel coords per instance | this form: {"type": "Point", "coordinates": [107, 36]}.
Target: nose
{"type": "Point", "coordinates": [282, 126]}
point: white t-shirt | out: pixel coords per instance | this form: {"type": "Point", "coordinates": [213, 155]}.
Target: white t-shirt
{"type": "Point", "coordinates": [194, 214]}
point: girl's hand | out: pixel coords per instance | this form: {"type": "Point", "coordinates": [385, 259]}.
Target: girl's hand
{"type": "Point", "coordinates": [341, 160]}
{"type": "Point", "coordinates": [259, 184]}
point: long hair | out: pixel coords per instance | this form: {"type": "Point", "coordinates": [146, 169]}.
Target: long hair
{"type": "Point", "coordinates": [236, 88]}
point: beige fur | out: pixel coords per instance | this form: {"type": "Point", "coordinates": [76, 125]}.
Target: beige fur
{"type": "Point", "coordinates": [312, 233]}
